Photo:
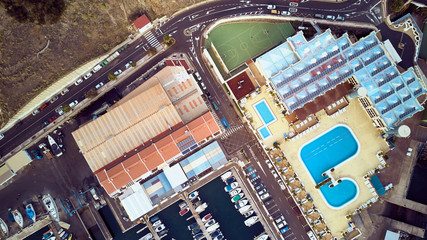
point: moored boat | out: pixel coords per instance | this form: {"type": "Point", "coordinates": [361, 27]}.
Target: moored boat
{"type": "Point", "coordinates": [51, 207]}
{"type": "Point", "coordinates": [251, 221]}
{"type": "Point", "coordinates": [3, 227]}
{"type": "Point", "coordinates": [235, 192]}
{"type": "Point", "coordinates": [182, 205]}
{"type": "Point", "coordinates": [262, 237]}
{"type": "Point", "coordinates": [18, 218]}
{"type": "Point", "coordinates": [201, 208]}
{"type": "Point", "coordinates": [206, 217]}
{"type": "Point", "coordinates": [219, 237]}
{"type": "Point", "coordinates": [147, 236]}
{"type": "Point", "coordinates": [47, 235]}
{"type": "Point", "coordinates": [237, 197]}
{"type": "Point", "coordinates": [212, 228]}
{"type": "Point", "coordinates": [226, 175]}
{"type": "Point", "coordinates": [241, 203]}
{"type": "Point", "coordinates": [245, 209]}
{"type": "Point", "coordinates": [29, 209]}
{"type": "Point", "coordinates": [232, 186]}
{"type": "Point", "coordinates": [55, 148]}
{"type": "Point", "coordinates": [184, 211]}
{"type": "Point", "coordinates": [249, 213]}
{"type": "Point", "coordinates": [193, 195]}
{"type": "Point", "coordinates": [210, 223]}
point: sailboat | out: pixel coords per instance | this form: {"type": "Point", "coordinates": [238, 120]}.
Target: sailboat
{"type": "Point", "coordinates": [55, 148]}
{"type": "Point", "coordinates": [3, 227]}
{"type": "Point", "coordinates": [29, 209]}
{"type": "Point", "coordinates": [51, 207]}
{"type": "Point", "coordinates": [18, 218]}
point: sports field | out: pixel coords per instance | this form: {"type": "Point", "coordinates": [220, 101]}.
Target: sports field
{"type": "Point", "coordinates": [236, 43]}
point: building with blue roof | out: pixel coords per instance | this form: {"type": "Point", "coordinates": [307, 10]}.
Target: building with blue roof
{"type": "Point", "coordinates": [300, 71]}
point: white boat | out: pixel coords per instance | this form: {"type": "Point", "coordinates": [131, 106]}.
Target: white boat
{"type": "Point", "coordinates": [225, 176]}
{"type": "Point", "coordinates": [244, 209]}
{"type": "Point", "coordinates": [55, 148]}
{"type": "Point", "coordinates": [3, 227]}
{"type": "Point", "coordinates": [193, 195]}
{"type": "Point", "coordinates": [232, 186]}
{"type": "Point", "coordinates": [235, 192]}
{"type": "Point", "coordinates": [262, 237]}
{"type": "Point", "coordinates": [29, 209]}
{"type": "Point", "coordinates": [18, 218]}
{"type": "Point", "coordinates": [147, 236]}
{"type": "Point", "coordinates": [251, 221]}
{"type": "Point", "coordinates": [241, 203]}
{"type": "Point", "coordinates": [51, 207]}
{"type": "Point", "coordinates": [201, 208]}
{"type": "Point", "coordinates": [212, 228]}
{"type": "Point", "coordinates": [248, 214]}
{"type": "Point", "coordinates": [210, 223]}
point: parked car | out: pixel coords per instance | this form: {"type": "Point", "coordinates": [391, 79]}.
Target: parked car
{"type": "Point", "coordinates": [318, 15]}
{"type": "Point", "coordinates": [266, 195]}
{"type": "Point", "coordinates": [340, 18]}
{"type": "Point", "coordinates": [99, 85]}
{"type": "Point", "coordinates": [286, 13]}
{"type": "Point", "coordinates": [53, 118]}
{"type": "Point", "coordinates": [275, 175]}
{"type": "Point", "coordinates": [259, 187]}
{"type": "Point", "coordinates": [283, 230]}
{"type": "Point", "coordinates": [35, 112]}
{"type": "Point", "coordinates": [263, 191]}
{"type": "Point", "coordinates": [73, 103]}
{"type": "Point", "coordinates": [43, 106]}
{"type": "Point", "coordinates": [293, 10]}
{"type": "Point", "coordinates": [202, 84]}
{"type": "Point", "coordinates": [78, 81]}
{"type": "Point", "coordinates": [271, 7]}
{"type": "Point", "coordinates": [128, 64]}
{"type": "Point", "coordinates": [330, 17]}
{"type": "Point", "coordinates": [117, 72]}
{"type": "Point", "coordinates": [215, 106]}
{"type": "Point", "coordinates": [197, 75]}
{"type": "Point", "coordinates": [45, 123]}
{"type": "Point", "coordinates": [297, 211]}
{"type": "Point", "coordinates": [311, 235]}
{"type": "Point", "coordinates": [1, 136]}
{"type": "Point", "coordinates": [53, 99]}
{"type": "Point", "coordinates": [88, 75]}
{"type": "Point", "coordinates": [59, 110]}
{"type": "Point", "coordinates": [64, 91]}
{"type": "Point", "coordinates": [293, 4]}
{"type": "Point", "coordinates": [269, 164]}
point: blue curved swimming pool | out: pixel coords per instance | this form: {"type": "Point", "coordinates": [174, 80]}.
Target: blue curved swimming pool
{"type": "Point", "coordinates": [329, 150]}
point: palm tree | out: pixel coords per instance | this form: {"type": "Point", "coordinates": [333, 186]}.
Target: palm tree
{"type": "Point", "coordinates": [112, 77]}
{"type": "Point", "coordinates": [92, 93]}
{"type": "Point", "coordinates": [66, 108]}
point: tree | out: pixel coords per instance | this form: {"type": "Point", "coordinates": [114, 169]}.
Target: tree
{"type": "Point", "coordinates": [396, 5]}
{"type": "Point", "coordinates": [66, 108]}
{"type": "Point", "coordinates": [151, 51]}
{"type": "Point", "coordinates": [112, 77]}
{"type": "Point", "coordinates": [166, 39]}
{"type": "Point", "coordinates": [92, 93]}
{"type": "Point", "coordinates": [133, 64]}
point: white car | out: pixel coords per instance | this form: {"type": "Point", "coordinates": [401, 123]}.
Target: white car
{"type": "Point", "coordinates": [117, 72]}
{"type": "Point", "coordinates": [59, 110]}
{"type": "Point", "coordinates": [64, 91]}
{"type": "Point", "coordinates": [293, 10]}
{"type": "Point", "coordinates": [311, 235]}
{"type": "Point", "coordinates": [99, 85]}
{"type": "Point", "coordinates": [198, 77]}
{"type": "Point", "coordinates": [53, 99]}
{"type": "Point", "coordinates": [266, 195]}
{"type": "Point", "coordinates": [78, 81]}
{"type": "Point", "coordinates": [330, 17]}
{"type": "Point", "coordinates": [35, 112]}
{"type": "Point", "coordinates": [274, 173]}
{"type": "Point", "coordinates": [88, 75]}
{"type": "Point", "coordinates": [271, 7]}
{"type": "Point", "coordinates": [203, 85]}
{"type": "Point", "coordinates": [293, 4]}
{"type": "Point", "coordinates": [1, 136]}
{"type": "Point", "coordinates": [128, 64]}
{"type": "Point", "coordinates": [269, 164]}
{"type": "Point", "coordinates": [286, 13]}
{"type": "Point", "coordinates": [73, 103]}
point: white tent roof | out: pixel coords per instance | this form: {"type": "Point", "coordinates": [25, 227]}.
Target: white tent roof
{"type": "Point", "coordinates": [175, 175]}
{"type": "Point", "coordinates": [135, 202]}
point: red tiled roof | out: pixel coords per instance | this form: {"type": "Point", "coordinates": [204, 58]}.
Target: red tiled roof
{"type": "Point", "coordinates": [141, 21]}
{"type": "Point", "coordinates": [210, 121]}
{"type": "Point", "coordinates": [118, 176]}
{"type": "Point", "coordinates": [151, 157]}
{"type": "Point", "coordinates": [105, 182]}
{"type": "Point", "coordinates": [135, 166]}
{"type": "Point", "coordinates": [167, 147]}
{"type": "Point", "coordinates": [241, 89]}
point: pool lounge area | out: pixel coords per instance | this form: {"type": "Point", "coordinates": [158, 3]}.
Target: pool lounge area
{"type": "Point", "coordinates": [328, 151]}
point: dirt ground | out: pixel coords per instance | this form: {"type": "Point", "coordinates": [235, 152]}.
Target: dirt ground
{"type": "Point", "coordinates": [33, 56]}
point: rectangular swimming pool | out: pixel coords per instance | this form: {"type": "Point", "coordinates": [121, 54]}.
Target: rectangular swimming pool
{"type": "Point", "coordinates": [265, 133]}
{"type": "Point", "coordinates": [264, 112]}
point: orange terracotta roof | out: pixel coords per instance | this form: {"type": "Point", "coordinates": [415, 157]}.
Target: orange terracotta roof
{"type": "Point", "coordinates": [135, 166]}
{"type": "Point", "coordinates": [105, 182]}
{"type": "Point", "coordinates": [199, 129]}
{"type": "Point", "coordinates": [180, 134]}
{"type": "Point", "coordinates": [210, 121]}
{"type": "Point", "coordinates": [118, 176]}
{"type": "Point", "coordinates": [141, 21]}
{"type": "Point", "coordinates": [151, 157]}
{"type": "Point", "coordinates": [167, 147]}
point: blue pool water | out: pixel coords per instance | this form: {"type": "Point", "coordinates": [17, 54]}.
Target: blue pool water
{"type": "Point", "coordinates": [340, 194]}
{"type": "Point", "coordinates": [264, 132]}
{"type": "Point", "coordinates": [328, 151]}
{"type": "Point", "coordinates": [264, 112]}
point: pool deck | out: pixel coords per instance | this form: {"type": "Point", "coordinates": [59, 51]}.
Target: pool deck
{"type": "Point", "coordinates": [370, 143]}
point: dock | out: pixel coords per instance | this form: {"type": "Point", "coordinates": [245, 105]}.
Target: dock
{"type": "Point", "coordinates": [197, 217]}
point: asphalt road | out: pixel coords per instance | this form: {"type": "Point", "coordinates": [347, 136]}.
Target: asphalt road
{"type": "Point", "coordinates": [61, 180]}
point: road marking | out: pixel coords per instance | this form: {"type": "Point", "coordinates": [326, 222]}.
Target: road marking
{"type": "Point", "coordinates": [261, 167]}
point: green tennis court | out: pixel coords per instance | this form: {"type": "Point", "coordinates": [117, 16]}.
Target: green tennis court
{"type": "Point", "coordinates": [236, 43]}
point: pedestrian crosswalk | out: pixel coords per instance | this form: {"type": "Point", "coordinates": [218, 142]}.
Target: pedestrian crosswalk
{"type": "Point", "coordinates": [230, 131]}
{"type": "Point", "coordinates": [151, 39]}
